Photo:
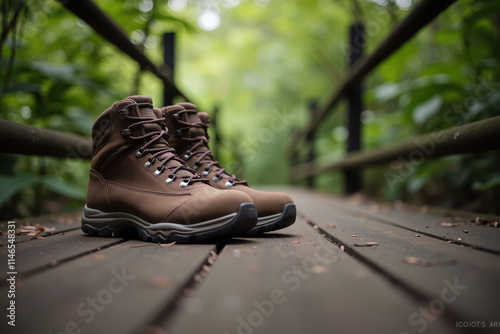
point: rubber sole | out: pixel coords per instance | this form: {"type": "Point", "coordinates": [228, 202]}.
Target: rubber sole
{"type": "Point", "coordinates": [273, 222]}
{"type": "Point", "coordinates": [121, 224]}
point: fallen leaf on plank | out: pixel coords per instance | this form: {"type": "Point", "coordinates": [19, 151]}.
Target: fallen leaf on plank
{"type": "Point", "coordinates": [27, 229]}
{"type": "Point", "coordinates": [166, 245]}
{"type": "Point", "coordinates": [367, 244]}
{"type": "Point", "coordinates": [42, 228]}
{"type": "Point", "coordinates": [427, 262]}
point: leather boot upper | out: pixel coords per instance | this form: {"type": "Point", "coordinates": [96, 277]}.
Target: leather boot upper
{"type": "Point", "coordinates": [134, 170]}
{"type": "Point", "coordinates": [189, 137]}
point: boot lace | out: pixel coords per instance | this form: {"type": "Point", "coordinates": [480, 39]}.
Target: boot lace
{"type": "Point", "coordinates": [156, 147]}
{"type": "Point", "coordinates": [205, 157]}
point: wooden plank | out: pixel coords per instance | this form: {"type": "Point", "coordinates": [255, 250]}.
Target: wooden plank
{"type": "Point", "coordinates": [427, 222]}
{"type": "Point", "coordinates": [477, 273]}
{"type": "Point", "coordinates": [42, 254]}
{"type": "Point", "coordinates": [293, 282]}
{"type": "Point", "coordinates": [458, 227]}
{"type": "Point", "coordinates": [111, 291]}
{"type": "Point", "coordinates": [62, 222]}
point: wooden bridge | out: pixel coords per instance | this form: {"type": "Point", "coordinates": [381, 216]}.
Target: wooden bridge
{"type": "Point", "coordinates": [348, 265]}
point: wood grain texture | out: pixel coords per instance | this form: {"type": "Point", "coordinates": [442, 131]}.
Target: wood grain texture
{"type": "Point", "coordinates": [42, 254]}
{"type": "Point", "coordinates": [408, 217]}
{"type": "Point", "coordinates": [62, 222]}
{"type": "Point", "coordinates": [126, 283]}
{"type": "Point", "coordinates": [445, 264]}
{"type": "Point", "coordinates": [293, 282]}
{"type": "Point", "coordinates": [297, 280]}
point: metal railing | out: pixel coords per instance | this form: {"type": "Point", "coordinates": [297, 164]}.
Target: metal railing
{"type": "Point", "coordinates": [474, 137]}
{"type": "Point", "coordinates": [27, 140]}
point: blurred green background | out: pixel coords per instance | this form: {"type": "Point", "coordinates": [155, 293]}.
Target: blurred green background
{"type": "Point", "coordinates": [261, 62]}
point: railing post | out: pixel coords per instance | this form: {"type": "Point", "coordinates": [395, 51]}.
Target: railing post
{"type": "Point", "coordinates": [294, 157]}
{"type": "Point", "coordinates": [311, 156]}
{"type": "Point", "coordinates": [352, 176]}
{"type": "Point", "coordinates": [169, 60]}
{"type": "Point", "coordinates": [215, 127]}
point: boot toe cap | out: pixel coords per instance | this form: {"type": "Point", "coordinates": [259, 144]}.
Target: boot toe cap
{"type": "Point", "coordinates": [267, 203]}
{"type": "Point", "coordinates": [210, 204]}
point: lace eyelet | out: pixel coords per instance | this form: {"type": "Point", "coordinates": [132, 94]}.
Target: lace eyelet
{"type": "Point", "coordinates": [196, 165]}
{"type": "Point", "coordinates": [159, 170]}
{"type": "Point", "coordinates": [229, 183]}
{"type": "Point", "coordinates": [175, 116]}
{"type": "Point", "coordinates": [184, 183]}
{"type": "Point", "coordinates": [149, 163]}
{"type": "Point", "coordinates": [126, 132]}
{"type": "Point", "coordinates": [206, 171]}
{"type": "Point", "coordinates": [217, 177]}
{"type": "Point", "coordinates": [139, 153]}
{"type": "Point", "coordinates": [170, 178]}
{"type": "Point", "coordinates": [188, 154]}
{"type": "Point", "coordinates": [124, 111]}
{"type": "Point", "coordinates": [178, 132]}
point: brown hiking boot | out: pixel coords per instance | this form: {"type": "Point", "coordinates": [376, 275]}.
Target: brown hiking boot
{"type": "Point", "coordinates": [188, 135]}
{"type": "Point", "coordinates": [138, 184]}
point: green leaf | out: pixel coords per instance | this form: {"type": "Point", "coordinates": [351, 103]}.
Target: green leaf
{"type": "Point", "coordinates": [386, 91]}
{"type": "Point", "coordinates": [482, 186]}
{"type": "Point", "coordinates": [11, 184]}
{"type": "Point", "coordinates": [484, 12]}
{"type": "Point", "coordinates": [418, 182]}
{"type": "Point", "coordinates": [58, 72]}
{"type": "Point", "coordinates": [63, 188]}
{"type": "Point", "coordinates": [425, 110]}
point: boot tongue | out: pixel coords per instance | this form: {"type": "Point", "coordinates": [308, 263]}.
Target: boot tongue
{"type": "Point", "coordinates": [144, 111]}
{"type": "Point", "coordinates": [195, 117]}
{"type": "Point", "coordinates": [204, 117]}
{"type": "Point", "coordinates": [196, 132]}
{"type": "Point", "coordinates": [149, 112]}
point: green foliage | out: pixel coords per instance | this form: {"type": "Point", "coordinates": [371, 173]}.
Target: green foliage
{"type": "Point", "coordinates": [11, 184]}
{"type": "Point", "coordinates": [262, 67]}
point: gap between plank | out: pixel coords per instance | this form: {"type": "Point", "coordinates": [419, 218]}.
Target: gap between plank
{"type": "Point", "coordinates": [161, 319]}
{"type": "Point", "coordinates": [50, 234]}
{"type": "Point", "coordinates": [442, 238]}
{"type": "Point", "coordinates": [450, 316]}
{"type": "Point", "coordinates": [54, 264]}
